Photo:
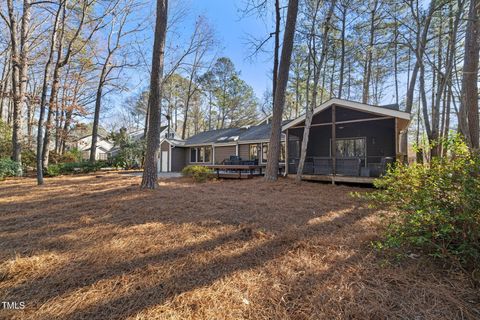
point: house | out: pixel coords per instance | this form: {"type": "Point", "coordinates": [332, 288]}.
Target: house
{"type": "Point", "coordinates": [348, 141]}
{"type": "Point", "coordinates": [215, 146]}
{"type": "Point", "coordinates": [103, 147]}
{"type": "Point", "coordinates": [366, 139]}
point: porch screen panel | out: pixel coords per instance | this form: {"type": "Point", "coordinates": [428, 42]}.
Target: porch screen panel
{"type": "Point", "coordinates": [351, 148]}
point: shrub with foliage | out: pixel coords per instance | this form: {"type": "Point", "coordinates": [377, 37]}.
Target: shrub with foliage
{"type": "Point", "coordinates": [8, 168]}
{"type": "Point", "coordinates": [5, 140]}
{"type": "Point", "coordinates": [29, 159]}
{"type": "Point", "coordinates": [54, 170]}
{"type": "Point", "coordinates": [70, 156]}
{"type": "Point", "coordinates": [198, 173]}
{"type": "Point", "coordinates": [436, 207]}
{"type": "Point", "coordinates": [130, 153]}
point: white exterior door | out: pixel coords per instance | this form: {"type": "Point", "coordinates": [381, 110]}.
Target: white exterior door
{"type": "Point", "coordinates": [164, 161]}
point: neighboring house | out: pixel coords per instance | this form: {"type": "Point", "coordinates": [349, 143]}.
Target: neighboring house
{"type": "Point", "coordinates": [365, 137]}
{"type": "Point", "coordinates": [103, 147]}
{"type": "Point", "coordinates": [140, 134]}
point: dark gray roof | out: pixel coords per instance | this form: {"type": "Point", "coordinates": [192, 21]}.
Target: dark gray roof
{"type": "Point", "coordinates": [393, 106]}
{"type": "Point", "coordinates": [248, 133]}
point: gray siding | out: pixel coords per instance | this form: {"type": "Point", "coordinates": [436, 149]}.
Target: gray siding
{"type": "Point", "coordinates": [178, 159]}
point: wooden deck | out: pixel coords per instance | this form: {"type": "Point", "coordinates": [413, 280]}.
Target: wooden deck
{"type": "Point", "coordinates": [337, 178]}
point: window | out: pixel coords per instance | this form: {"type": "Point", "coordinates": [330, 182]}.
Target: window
{"type": "Point", "coordinates": [351, 148]}
{"type": "Point", "coordinates": [282, 151]}
{"type": "Point", "coordinates": [102, 156]}
{"type": "Point", "coordinates": [208, 154]}
{"type": "Point", "coordinates": [193, 155]}
{"type": "Point", "coordinates": [264, 152]}
{"type": "Point", "coordinates": [201, 154]}
{"type": "Point", "coordinates": [253, 152]}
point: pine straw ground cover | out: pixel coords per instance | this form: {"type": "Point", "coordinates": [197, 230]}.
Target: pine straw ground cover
{"type": "Point", "coordinates": [97, 247]}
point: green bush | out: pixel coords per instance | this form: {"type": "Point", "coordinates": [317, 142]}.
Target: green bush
{"type": "Point", "coordinates": [29, 159]}
{"type": "Point", "coordinates": [54, 170]}
{"type": "Point", "coordinates": [436, 208]}
{"type": "Point", "coordinates": [5, 140]}
{"type": "Point", "coordinates": [198, 173]}
{"type": "Point", "coordinates": [8, 168]}
{"type": "Point", "coordinates": [71, 156]}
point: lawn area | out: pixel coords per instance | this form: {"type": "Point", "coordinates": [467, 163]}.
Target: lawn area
{"type": "Point", "coordinates": [97, 247]}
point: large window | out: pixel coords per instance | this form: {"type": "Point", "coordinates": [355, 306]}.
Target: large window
{"type": "Point", "coordinates": [193, 155]}
{"type": "Point", "coordinates": [208, 154]}
{"type": "Point", "coordinates": [201, 154]}
{"type": "Point", "coordinates": [351, 148]}
{"type": "Point", "coordinates": [282, 151]}
{"type": "Point", "coordinates": [265, 152]}
{"type": "Point", "coordinates": [253, 152]}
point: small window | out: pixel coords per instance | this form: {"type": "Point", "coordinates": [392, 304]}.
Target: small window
{"type": "Point", "coordinates": [208, 154]}
{"type": "Point", "coordinates": [264, 152]}
{"type": "Point", "coordinates": [193, 155]}
{"type": "Point", "coordinates": [253, 152]}
{"type": "Point", "coordinates": [201, 154]}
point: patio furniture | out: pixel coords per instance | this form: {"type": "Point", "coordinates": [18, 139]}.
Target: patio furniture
{"type": "Point", "coordinates": [322, 165]}
{"type": "Point", "coordinates": [348, 167]}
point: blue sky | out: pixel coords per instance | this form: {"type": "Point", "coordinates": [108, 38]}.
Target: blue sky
{"type": "Point", "coordinates": [233, 31]}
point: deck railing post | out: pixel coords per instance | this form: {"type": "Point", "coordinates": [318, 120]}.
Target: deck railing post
{"type": "Point", "coordinates": [286, 153]}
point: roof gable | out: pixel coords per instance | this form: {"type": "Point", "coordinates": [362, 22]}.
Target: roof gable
{"type": "Point", "coordinates": [380, 111]}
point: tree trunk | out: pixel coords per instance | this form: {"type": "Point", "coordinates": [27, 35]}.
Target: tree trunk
{"type": "Point", "coordinates": [96, 117]}
{"type": "Point", "coordinates": [367, 74]}
{"type": "Point", "coordinates": [313, 101]}
{"type": "Point", "coordinates": [276, 49]}
{"type": "Point", "coordinates": [149, 179]}
{"type": "Point", "coordinates": [271, 171]}
{"type": "Point", "coordinates": [468, 114]}
{"type": "Point", "coordinates": [342, 58]}
{"type": "Point", "coordinates": [43, 98]}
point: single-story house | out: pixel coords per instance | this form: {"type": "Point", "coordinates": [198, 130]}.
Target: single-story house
{"type": "Point", "coordinates": [216, 146]}
{"type": "Point", "coordinates": [366, 139]}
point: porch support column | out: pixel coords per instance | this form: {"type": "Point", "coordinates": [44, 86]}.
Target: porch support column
{"type": "Point", "coordinates": [286, 153]}
{"type": "Point", "coordinates": [213, 154]}
{"type": "Point", "coordinates": [334, 144]}
{"type": "Point", "coordinates": [397, 149]}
